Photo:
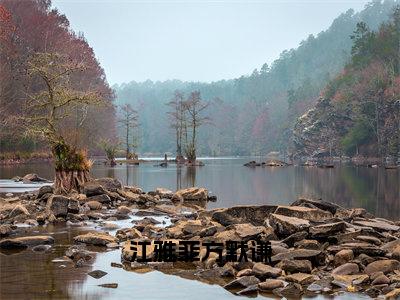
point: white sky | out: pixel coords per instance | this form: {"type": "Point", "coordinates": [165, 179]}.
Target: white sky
{"type": "Point", "coordinates": [195, 40]}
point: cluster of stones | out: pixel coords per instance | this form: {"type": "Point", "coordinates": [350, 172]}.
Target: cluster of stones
{"type": "Point", "coordinates": [317, 247]}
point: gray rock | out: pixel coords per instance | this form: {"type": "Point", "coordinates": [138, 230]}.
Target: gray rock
{"type": "Point", "coordinates": [270, 284]}
{"type": "Point", "coordinates": [295, 266]}
{"type": "Point", "coordinates": [308, 244]}
{"type": "Point", "coordinates": [58, 205]}
{"type": "Point", "coordinates": [306, 213]}
{"type": "Point", "coordinates": [97, 274]}
{"type": "Point", "coordinates": [325, 230]}
{"type": "Point", "coordinates": [254, 214]}
{"type": "Point", "coordinates": [26, 241]}
{"type": "Point", "coordinates": [252, 289]}
{"type": "Point", "coordinates": [346, 269]}
{"type": "Point", "coordinates": [242, 282]}
{"type": "Point", "coordinates": [93, 189]}
{"type": "Point", "coordinates": [295, 237]}
{"type": "Point", "coordinates": [343, 256]}
{"type": "Point", "coordinates": [292, 290]}
{"type": "Point", "coordinates": [312, 255]}
{"type": "Point", "coordinates": [103, 198]}
{"type": "Point", "coordinates": [109, 184]}
{"type": "Point", "coordinates": [109, 285]}
{"type": "Point", "coordinates": [385, 266]}
{"type": "Point", "coordinates": [265, 271]}
{"type": "Point", "coordinates": [284, 225]}
{"type": "Point", "coordinates": [382, 279]}
{"type": "Point", "coordinates": [46, 189]}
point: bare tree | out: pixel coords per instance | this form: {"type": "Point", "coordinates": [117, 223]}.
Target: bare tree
{"type": "Point", "coordinates": [129, 122]}
{"type": "Point", "coordinates": [178, 119]}
{"type": "Point", "coordinates": [195, 109]}
{"type": "Point", "coordinates": [46, 112]}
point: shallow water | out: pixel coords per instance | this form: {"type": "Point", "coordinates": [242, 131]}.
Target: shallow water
{"type": "Point", "coordinates": [375, 189]}
{"type": "Point", "coordinates": [30, 275]}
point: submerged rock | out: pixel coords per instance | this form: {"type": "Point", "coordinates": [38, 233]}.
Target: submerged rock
{"type": "Point", "coordinates": [26, 241]}
{"type": "Point", "coordinates": [95, 238]}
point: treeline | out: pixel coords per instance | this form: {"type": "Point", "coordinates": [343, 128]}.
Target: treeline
{"type": "Point", "coordinates": [33, 33]}
{"type": "Point", "coordinates": [254, 114]}
{"type": "Point", "coordinates": [359, 111]}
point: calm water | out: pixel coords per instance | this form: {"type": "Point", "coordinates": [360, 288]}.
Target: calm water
{"type": "Point", "coordinates": [377, 190]}
{"type": "Point", "coordinates": [30, 275]}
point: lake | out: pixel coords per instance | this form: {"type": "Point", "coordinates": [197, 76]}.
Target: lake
{"type": "Point", "coordinates": [31, 275]}
{"type": "Point", "coordinates": [375, 189]}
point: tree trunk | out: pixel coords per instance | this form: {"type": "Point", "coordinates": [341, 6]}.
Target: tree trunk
{"type": "Point", "coordinates": [67, 181]}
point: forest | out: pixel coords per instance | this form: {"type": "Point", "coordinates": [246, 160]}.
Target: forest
{"type": "Point", "coordinates": [359, 110]}
{"type": "Point", "coordinates": [254, 114]}
{"type": "Point", "coordinates": [31, 33]}
{"type": "Point", "coordinates": [250, 115]}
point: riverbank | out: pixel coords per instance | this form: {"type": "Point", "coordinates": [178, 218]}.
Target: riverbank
{"type": "Point", "coordinates": [317, 247]}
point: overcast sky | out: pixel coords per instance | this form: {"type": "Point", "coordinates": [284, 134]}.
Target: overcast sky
{"type": "Point", "coordinates": [197, 40]}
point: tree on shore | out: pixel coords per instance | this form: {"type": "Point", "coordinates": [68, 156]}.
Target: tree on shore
{"type": "Point", "coordinates": [50, 107]}
{"type": "Point", "coordinates": [195, 109]}
{"type": "Point", "coordinates": [129, 122]}
{"type": "Point", "coordinates": [110, 148]}
{"type": "Point", "coordinates": [178, 120]}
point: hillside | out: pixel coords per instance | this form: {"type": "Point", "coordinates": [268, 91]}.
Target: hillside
{"type": "Point", "coordinates": [254, 114]}
{"type": "Point", "coordinates": [358, 112]}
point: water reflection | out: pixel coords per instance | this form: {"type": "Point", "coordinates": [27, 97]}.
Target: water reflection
{"type": "Point", "coordinates": [375, 189]}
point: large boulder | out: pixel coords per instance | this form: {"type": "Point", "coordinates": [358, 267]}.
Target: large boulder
{"type": "Point", "coordinates": [92, 188]}
{"type": "Point", "coordinates": [46, 189]}
{"type": "Point", "coordinates": [94, 205]}
{"type": "Point", "coordinates": [284, 225]}
{"type": "Point", "coordinates": [26, 241]}
{"type": "Point", "coordinates": [346, 269]}
{"type": "Point", "coordinates": [190, 194]}
{"type": "Point", "coordinates": [96, 238]}
{"type": "Point", "coordinates": [301, 212]}
{"type": "Point", "coordinates": [103, 198]}
{"type": "Point", "coordinates": [385, 266]}
{"type": "Point", "coordinates": [254, 214]}
{"type": "Point", "coordinates": [326, 230]}
{"type": "Point", "coordinates": [242, 282]}
{"type": "Point", "coordinates": [18, 210]}
{"type": "Point", "coordinates": [379, 225]}
{"type": "Point", "coordinates": [324, 205]}
{"type": "Point", "coordinates": [33, 178]}
{"type": "Point", "coordinates": [58, 205]}
{"type": "Point", "coordinates": [164, 193]}
{"type": "Point", "coordinates": [271, 284]}
{"type": "Point", "coordinates": [248, 231]}
{"type": "Point", "coordinates": [265, 271]}
{"type": "Point", "coordinates": [315, 256]}
{"type": "Point", "coordinates": [295, 266]}
{"type": "Point", "coordinates": [109, 184]}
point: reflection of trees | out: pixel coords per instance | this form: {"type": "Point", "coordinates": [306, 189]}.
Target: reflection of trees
{"type": "Point", "coordinates": [376, 190]}
{"type": "Point", "coordinates": [188, 181]}
{"type": "Point", "coordinates": [111, 172]}
{"type": "Point", "coordinates": [190, 176]}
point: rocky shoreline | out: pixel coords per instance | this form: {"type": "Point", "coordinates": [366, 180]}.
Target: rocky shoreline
{"type": "Point", "coordinates": [317, 247]}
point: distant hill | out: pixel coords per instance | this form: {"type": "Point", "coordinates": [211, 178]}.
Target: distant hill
{"type": "Point", "coordinates": [254, 114]}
